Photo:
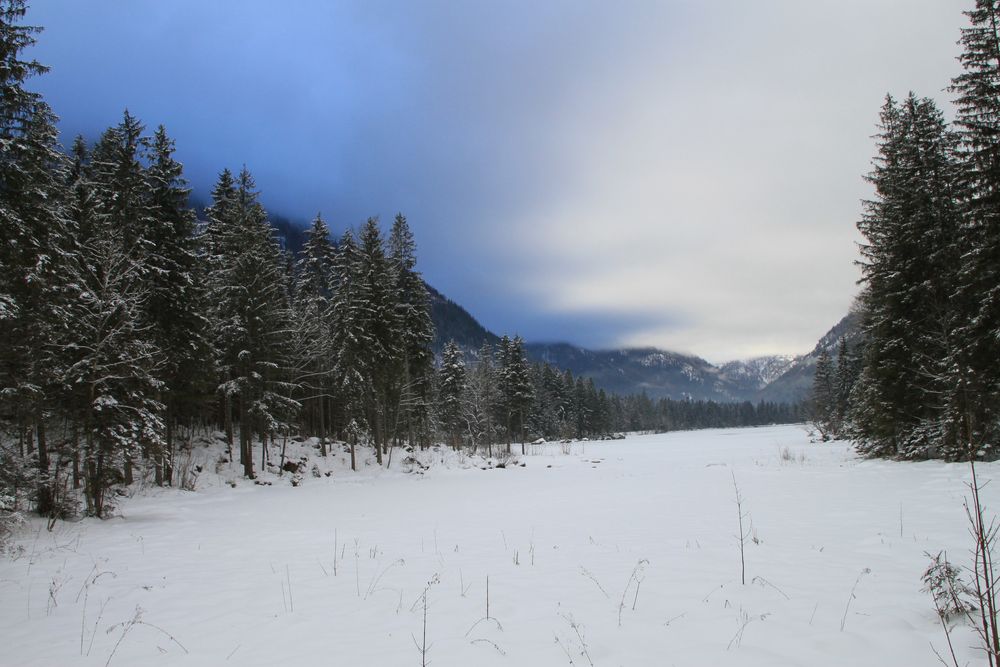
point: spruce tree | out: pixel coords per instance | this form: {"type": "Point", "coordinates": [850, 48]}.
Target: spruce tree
{"type": "Point", "coordinates": [36, 261]}
{"type": "Point", "coordinates": [250, 315]}
{"type": "Point", "coordinates": [37, 275]}
{"type": "Point", "coordinates": [515, 386]}
{"type": "Point", "coordinates": [977, 358]}
{"type": "Point", "coordinates": [378, 318]}
{"type": "Point", "coordinates": [112, 372]}
{"type": "Point", "coordinates": [352, 388]}
{"type": "Point", "coordinates": [176, 307]}
{"type": "Point", "coordinates": [823, 396]}
{"type": "Point", "coordinates": [416, 332]}
{"type": "Point", "coordinates": [314, 280]}
{"type": "Point", "coordinates": [481, 401]}
{"type": "Point", "coordinates": [909, 260]}
{"type": "Point", "coordinates": [452, 386]}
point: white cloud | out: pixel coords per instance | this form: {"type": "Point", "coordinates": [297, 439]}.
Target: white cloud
{"type": "Point", "coordinates": [716, 174]}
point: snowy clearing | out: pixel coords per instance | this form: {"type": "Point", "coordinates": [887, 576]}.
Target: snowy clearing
{"type": "Point", "coordinates": [617, 553]}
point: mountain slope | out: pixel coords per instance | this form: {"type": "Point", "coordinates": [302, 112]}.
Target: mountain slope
{"type": "Point", "coordinates": [795, 384]}
{"type": "Point", "coordinates": [658, 373]}
{"type": "Point", "coordinates": [452, 322]}
{"type": "Point", "coordinates": [752, 375]}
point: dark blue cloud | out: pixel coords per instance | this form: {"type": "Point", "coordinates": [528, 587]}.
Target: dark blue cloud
{"type": "Point", "coordinates": [442, 110]}
{"type": "Point", "coordinates": [519, 136]}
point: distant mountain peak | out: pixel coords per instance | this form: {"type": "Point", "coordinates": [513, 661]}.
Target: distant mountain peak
{"type": "Point", "coordinates": [658, 373]}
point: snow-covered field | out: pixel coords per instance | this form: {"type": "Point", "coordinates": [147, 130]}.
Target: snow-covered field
{"type": "Point", "coordinates": [617, 553]}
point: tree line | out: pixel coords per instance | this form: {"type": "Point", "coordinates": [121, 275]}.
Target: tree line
{"type": "Point", "coordinates": [926, 376]}
{"type": "Point", "coordinates": [128, 322]}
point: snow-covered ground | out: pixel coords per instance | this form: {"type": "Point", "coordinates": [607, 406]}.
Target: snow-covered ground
{"type": "Point", "coordinates": [617, 553]}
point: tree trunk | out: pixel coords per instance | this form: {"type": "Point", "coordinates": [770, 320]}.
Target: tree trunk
{"type": "Point", "coordinates": [377, 435]}
{"type": "Point", "coordinates": [322, 426]}
{"type": "Point", "coordinates": [284, 444]}
{"type": "Point", "coordinates": [263, 450]}
{"type": "Point", "coordinates": [128, 471]}
{"type": "Point", "coordinates": [161, 456]}
{"type": "Point", "coordinates": [246, 447]}
{"type": "Point", "coordinates": [521, 424]}
{"type": "Point", "coordinates": [76, 459]}
{"type": "Point", "coordinates": [45, 505]}
{"type": "Point", "coordinates": [227, 416]}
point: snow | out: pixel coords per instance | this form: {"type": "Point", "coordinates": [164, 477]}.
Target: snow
{"type": "Point", "coordinates": [331, 571]}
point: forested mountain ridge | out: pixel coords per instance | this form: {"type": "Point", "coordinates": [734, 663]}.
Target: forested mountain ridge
{"type": "Point", "coordinates": [655, 372]}
{"type": "Point", "coordinates": [453, 322]}
{"type": "Point", "coordinates": [796, 383]}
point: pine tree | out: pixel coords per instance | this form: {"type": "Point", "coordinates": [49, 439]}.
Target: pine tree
{"type": "Point", "coordinates": [18, 106]}
{"type": "Point", "coordinates": [34, 239]}
{"type": "Point", "coordinates": [176, 307]}
{"type": "Point", "coordinates": [515, 386]}
{"type": "Point", "coordinates": [481, 400]}
{"type": "Point", "coordinates": [36, 281]}
{"type": "Point", "coordinates": [908, 266]}
{"type": "Point", "coordinates": [976, 394]}
{"type": "Point", "coordinates": [352, 386]}
{"type": "Point", "coordinates": [250, 315]}
{"type": "Point", "coordinates": [314, 280]}
{"type": "Point", "coordinates": [416, 331]}
{"type": "Point", "coordinates": [452, 386]}
{"type": "Point", "coordinates": [379, 319]}
{"type": "Point", "coordinates": [112, 374]}
{"type": "Point", "coordinates": [120, 184]}
{"type": "Point", "coordinates": [823, 399]}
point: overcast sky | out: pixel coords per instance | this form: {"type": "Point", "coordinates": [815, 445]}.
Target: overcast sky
{"type": "Point", "coordinates": [682, 174]}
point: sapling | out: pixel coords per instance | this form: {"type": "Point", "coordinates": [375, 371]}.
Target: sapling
{"type": "Point", "coordinates": [941, 580]}
{"type": "Point", "coordinates": [744, 533]}
{"type": "Point", "coordinates": [984, 578]}
{"type": "Point", "coordinates": [423, 647]}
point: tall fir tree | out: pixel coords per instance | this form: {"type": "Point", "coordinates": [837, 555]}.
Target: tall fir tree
{"type": "Point", "coordinates": [313, 295]}
{"type": "Point", "coordinates": [112, 374]}
{"type": "Point", "coordinates": [416, 331]}
{"type": "Point", "coordinates": [515, 385]}
{"type": "Point", "coordinates": [176, 307]}
{"type": "Point", "coordinates": [823, 396]}
{"type": "Point", "coordinates": [250, 316]}
{"type": "Point", "coordinates": [379, 319]}
{"type": "Point", "coordinates": [351, 377]}
{"type": "Point", "coordinates": [452, 385]}
{"type": "Point", "coordinates": [909, 260]}
{"type": "Point", "coordinates": [36, 259]}
{"type": "Point", "coordinates": [977, 358]}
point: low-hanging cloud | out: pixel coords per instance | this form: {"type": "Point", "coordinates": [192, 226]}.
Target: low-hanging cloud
{"type": "Point", "coordinates": [679, 174]}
